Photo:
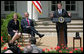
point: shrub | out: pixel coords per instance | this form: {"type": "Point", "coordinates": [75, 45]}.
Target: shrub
{"type": "Point", "coordinates": [2, 42]}
{"type": "Point", "coordinates": [2, 21]}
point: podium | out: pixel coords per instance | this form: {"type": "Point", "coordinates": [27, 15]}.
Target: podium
{"type": "Point", "coordinates": [61, 20]}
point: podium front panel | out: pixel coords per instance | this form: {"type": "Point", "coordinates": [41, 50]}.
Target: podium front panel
{"type": "Point", "coordinates": [55, 20]}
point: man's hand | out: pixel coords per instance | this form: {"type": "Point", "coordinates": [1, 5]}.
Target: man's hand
{"type": "Point", "coordinates": [27, 26]}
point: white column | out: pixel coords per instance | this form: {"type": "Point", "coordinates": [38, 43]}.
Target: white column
{"type": "Point", "coordinates": [35, 14]}
{"type": "Point", "coordinates": [29, 9]}
{"type": "Point", "coordinates": [80, 9]}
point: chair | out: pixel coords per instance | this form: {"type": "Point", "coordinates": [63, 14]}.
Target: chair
{"type": "Point", "coordinates": [74, 38]}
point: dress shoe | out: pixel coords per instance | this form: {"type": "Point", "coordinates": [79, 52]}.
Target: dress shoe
{"type": "Point", "coordinates": [41, 35]}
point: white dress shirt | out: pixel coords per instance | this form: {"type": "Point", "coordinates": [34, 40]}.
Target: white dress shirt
{"type": "Point", "coordinates": [59, 11]}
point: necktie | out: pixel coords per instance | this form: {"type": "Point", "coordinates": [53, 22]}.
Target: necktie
{"type": "Point", "coordinates": [28, 22]}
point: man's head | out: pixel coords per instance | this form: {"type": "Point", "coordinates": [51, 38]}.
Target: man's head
{"type": "Point", "coordinates": [32, 40]}
{"type": "Point", "coordinates": [59, 5]}
{"type": "Point", "coordinates": [26, 14]}
{"type": "Point", "coordinates": [28, 49]}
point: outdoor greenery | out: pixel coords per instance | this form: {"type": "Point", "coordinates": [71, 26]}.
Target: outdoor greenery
{"type": "Point", "coordinates": [4, 23]}
{"type": "Point", "coordinates": [56, 49]}
{"type": "Point", "coordinates": [62, 49]}
{"type": "Point", "coordinates": [66, 50]}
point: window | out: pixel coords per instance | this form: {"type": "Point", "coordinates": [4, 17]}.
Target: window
{"type": "Point", "coordinates": [70, 5]}
{"type": "Point", "coordinates": [9, 5]}
{"type": "Point", "coordinates": [54, 5]}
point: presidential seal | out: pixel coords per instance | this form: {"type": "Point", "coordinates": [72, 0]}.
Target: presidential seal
{"type": "Point", "coordinates": [61, 19]}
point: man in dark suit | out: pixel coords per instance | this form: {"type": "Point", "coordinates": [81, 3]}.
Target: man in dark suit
{"type": "Point", "coordinates": [61, 13]}
{"type": "Point", "coordinates": [28, 26]}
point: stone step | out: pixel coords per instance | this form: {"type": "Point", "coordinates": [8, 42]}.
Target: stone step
{"type": "Point", "coordinates": [55, 27]}
{"type": "Point", "coordinates": [69, 34]}
{"type": "Point", "coordinates": [55, 33]}
{"type": "Point", "coordinates": [39, 23]}
{"type": "Point", "coordinates": [49, 19]}
{"type": "Point", "coordinates": [55, 23]}
{"type": "Point", "coordinates": [52, 30]}
{"type": "Point", "coordinates": [72, 21]}
{"type": "Point", "coordinates": [25, 44]}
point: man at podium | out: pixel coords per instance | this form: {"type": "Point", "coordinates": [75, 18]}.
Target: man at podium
{"type": "Point", "coordinates": [60, 13]}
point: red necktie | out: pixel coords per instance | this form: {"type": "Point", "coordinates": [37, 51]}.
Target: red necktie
{"type": "Point", "coordinates": [28, 22]}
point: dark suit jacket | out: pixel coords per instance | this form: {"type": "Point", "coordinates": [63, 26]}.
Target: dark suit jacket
{"type": "Point", "coordinates": [57, 15]}
{"type": "Point", "coordinates": [24, 23]}
{"type": "Point", "coordinates": [12, 26]}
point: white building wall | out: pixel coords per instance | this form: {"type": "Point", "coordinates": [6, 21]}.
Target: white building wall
{"type": "Point", "coordinates": [29, 8]}
{"type": "Point", "coordinates": [80, 9]}
{"type": "Point", "coordinates": [35, 14]}
{"type": "Point", "coordinates": [2, 7]}
{"type": "Point", "coordinates": [21, 7]}
{"type": "Point", "coordinates": [26, 6]}
{"type": "Point", "coordinates": [44, 9]}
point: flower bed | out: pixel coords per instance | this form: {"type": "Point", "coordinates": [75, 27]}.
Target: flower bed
{"type": "Point", "coordinates": [62, 49]}
{"type": "Point", "coordinates": [2, 41]}
{"type": "Point", "coordinates": [66, 50]}
{"type": "Point", "coordinates": [55, 50]}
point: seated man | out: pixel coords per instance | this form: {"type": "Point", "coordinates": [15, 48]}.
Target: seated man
{"type": "Point", "coordinates": [31, 47]}
{"type": "Point", "coordinates": [28, 26]}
